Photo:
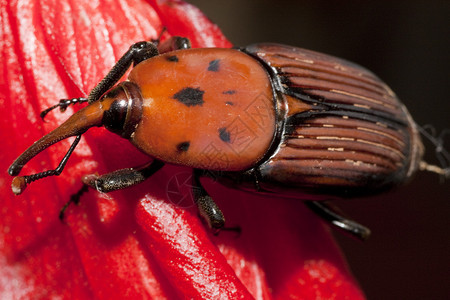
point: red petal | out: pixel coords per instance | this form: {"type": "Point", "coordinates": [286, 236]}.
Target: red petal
{"type": "Point", "coordinates": [136, 242]}
{"type": "Point", "coordinates": [193, 264]}
{"type": "Point", "coordinates": [184, 19]}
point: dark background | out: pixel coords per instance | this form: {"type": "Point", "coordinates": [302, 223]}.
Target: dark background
{"type": "Point", "coordinates": [407, 44]}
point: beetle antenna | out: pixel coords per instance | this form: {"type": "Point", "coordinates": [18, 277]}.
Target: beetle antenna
{"type": "Point", "coordinates": [442, 155]}
{"type": "Point", "coordinates": [76, 125]}
{"type": "Point", "coordinates": [63, 104]}
{"type": "Point", "coordinates": [19, 183]}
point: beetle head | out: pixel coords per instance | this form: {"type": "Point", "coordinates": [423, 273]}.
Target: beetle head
{"type": "Point", "coordinates": [119, 110]}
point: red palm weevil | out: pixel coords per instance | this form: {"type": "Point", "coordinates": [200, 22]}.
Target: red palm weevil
{"type": "Point", "coordinates": [266, 118]}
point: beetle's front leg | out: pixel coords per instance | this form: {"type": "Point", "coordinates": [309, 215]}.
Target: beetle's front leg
{"type": "Point", "coordinates": [122, 178]}
{"type": "Point", "coordinates": [113, 181]}
{"type": "Point", "coordinates": [137, 53]}
{"type": "Point", "coordinates": [207, 208]}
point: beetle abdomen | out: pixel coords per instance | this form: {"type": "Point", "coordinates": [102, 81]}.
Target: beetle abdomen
{"type": "Point", "coordinates": [344, 127]}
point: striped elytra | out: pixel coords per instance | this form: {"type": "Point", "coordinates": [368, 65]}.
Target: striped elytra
{"type": "Point", "coordinates": [343, 129]}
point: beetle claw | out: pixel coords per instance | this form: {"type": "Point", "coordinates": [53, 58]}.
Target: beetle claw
{"type": "Point", "coordinates": [90, 180]}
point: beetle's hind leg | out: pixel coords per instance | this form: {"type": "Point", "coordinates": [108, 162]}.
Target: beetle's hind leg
{"type": "Point", "coordinates": [122, 178]}
{"type": "Point", "coordinates": [207, 208]}
{"type": "Point", "coordinates": [331, 215]}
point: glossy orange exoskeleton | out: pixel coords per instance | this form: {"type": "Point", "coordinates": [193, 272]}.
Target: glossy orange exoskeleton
{"type": "Point", "coordinates": [266, 118]}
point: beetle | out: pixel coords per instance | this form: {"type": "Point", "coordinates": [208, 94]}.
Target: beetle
{"type": "Point", "coordinates": [266, 118]}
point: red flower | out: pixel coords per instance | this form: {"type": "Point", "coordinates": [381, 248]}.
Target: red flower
{"type": "Point", "coordinates": [146, 241]}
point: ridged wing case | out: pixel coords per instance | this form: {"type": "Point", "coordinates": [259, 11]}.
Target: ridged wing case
{"type": "Point", "coordinates": [341, 127]}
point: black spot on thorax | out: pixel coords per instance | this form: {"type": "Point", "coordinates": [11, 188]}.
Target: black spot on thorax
{"type": "Point", "coordinates": [229, 92]}
{"type": "Point", "coordinates": [214, 65]}
{"type": "Point", "coordinates": [183, 146]}
{"type": "Point", "coordinates": [224, 135]}
{"type": "Point", "coordinates": [172, 58]}
{"type": "Point", "coordinates": [190, 96]}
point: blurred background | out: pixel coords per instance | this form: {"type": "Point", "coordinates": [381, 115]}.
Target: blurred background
{"type": "Point", "coordinates": [407, 44]}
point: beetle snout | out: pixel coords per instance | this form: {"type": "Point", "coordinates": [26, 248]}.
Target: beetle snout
{"type": "Point", "coordinates": [77, 124]}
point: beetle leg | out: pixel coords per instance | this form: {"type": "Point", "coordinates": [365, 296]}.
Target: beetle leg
{"type": "Point", "coordinates": [122, 178]}
{"type": "Point", "coordinates": [207, 208]}
{"type": "Point", "coordinates": [174, 43]}
{"type": "Point", "coordinates": [329, 214]}
{"type": "Point", "coordinates": [116, 180]}
{"type": "Point", "coordinates": [137, 53]}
